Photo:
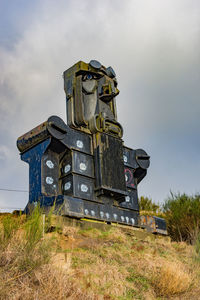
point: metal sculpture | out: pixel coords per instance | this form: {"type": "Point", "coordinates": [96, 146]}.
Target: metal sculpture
{"type": "Point", "coordinates": [83, 166]}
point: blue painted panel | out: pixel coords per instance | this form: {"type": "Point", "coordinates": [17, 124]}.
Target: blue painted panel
{"type": "Point", "coordinates": [33, 158]}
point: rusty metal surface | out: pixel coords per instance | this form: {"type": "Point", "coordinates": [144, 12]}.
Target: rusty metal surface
{"type": "Point", "coordinates": [32, 137]}
{"type": "Point", "coordinates": [153, 224]}
{"type": "Point", "coordinates": [53, 127]}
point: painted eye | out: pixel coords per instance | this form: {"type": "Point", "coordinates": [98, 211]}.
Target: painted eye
{"type": "Point", "coordinates": [88, 76]}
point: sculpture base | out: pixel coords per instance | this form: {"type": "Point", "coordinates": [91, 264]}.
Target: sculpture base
{"type": "Point", "coordinates": [75, 207]}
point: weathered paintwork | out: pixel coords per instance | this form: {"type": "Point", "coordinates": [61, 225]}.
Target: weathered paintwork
{"type": "Point", "coordinates": [83, 166]}
{"type": "Point", "coordinates": [153, 224]}
{"type": "Point", "coordinates": [90, 95]}
{"type": "Point", "coordinates": [53, 127]}
{"type": "Point", "coordinates": [34, 157]}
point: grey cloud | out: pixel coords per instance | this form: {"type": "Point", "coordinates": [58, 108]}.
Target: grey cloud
{"type": "Point", "coordinates": [152, 46]}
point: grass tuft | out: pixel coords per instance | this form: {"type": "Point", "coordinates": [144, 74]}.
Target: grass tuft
{"type": "Point", "coordinates": [8, 226]}
{"type": "Point", "coordinates": [171, 279]}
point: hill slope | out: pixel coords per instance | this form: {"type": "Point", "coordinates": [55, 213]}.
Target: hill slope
{"type": "Point", "coordinates": [104, 263]}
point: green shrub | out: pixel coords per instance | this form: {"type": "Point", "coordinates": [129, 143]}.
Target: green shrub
{"type": "Point", "coordinates": [147, 204]}
{"type": "Point", "coordinates": [183, 217]}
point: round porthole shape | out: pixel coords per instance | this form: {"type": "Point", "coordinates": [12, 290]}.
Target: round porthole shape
{"type": "Point", "coordinates": [50, 164]}
{"type": "Point", "coordinates": [49, 180]}
{"type": "Point", "coordinates": [84, 188]}
{"type": "Point", "coordinates": [83, 166]}
{"type": "Point", "coordinates": [79, 144]}
{"type": "Point", "coordinates": [67, 168]}
{"type": "Point", "coordinates": [67, 186]}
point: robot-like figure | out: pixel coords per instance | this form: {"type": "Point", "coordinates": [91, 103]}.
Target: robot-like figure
{"type": "Point", "coordinates": [83, 167]}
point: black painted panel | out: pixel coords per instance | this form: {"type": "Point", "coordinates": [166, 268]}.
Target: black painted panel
{"type": "Point", "coordinates": [160, 223]}
{"type": "Point", "coordinates": [88, 209]}
{"type": "Point", "coordinates": [110, 166]}
{"type": "Point", "coordinates": [78, 186]}
{"type": "Point", "coordinates": [130, 178]}
{"type": "Point", "coordinates": [50, 173]}
{"type": "Point", "coordinates": [77, 162]}
{"type": "Point", "coordinates": [129, 158]}
{"type": "Point", "coordinates": [78, 140]}
{"type": "Point", "coordinates": [73, 207]}
{"type": "Point", "coordinates": [131, 201]}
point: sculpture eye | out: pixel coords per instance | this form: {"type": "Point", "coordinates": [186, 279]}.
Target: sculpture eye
{"type": "Point", "coordinates": [88, 76]}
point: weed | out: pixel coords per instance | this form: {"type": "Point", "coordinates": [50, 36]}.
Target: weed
{"type": "Point", "coordinates": [9, 226]}
{"type": "Point", "coordinates": [33, 228]}
{"type": "Point", "coordinates": [34, 250]}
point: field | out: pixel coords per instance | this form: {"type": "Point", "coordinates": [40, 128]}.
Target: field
{"type": "Point", "coordinates": [61, 261]}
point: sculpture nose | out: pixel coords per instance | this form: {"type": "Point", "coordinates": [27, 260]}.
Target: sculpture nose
{"type": "Point", "coordinates": [89, 86]}
{"type": "Point", "coordinates": [108, 91]}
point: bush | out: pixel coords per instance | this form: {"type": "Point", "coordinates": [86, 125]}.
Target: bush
{"type": "Point", "coordinates": [183, 217]}
{"type": "Point", "coordinates": [147, 204]}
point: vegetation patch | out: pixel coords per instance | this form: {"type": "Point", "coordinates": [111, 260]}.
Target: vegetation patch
{"type": "Point", "coordinates": [171, 279]}
{"type": "Point", "coordinates": [41, 261]}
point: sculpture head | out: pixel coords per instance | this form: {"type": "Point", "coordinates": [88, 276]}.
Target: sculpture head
{"type": "Point", "coordinates": [90, 94]}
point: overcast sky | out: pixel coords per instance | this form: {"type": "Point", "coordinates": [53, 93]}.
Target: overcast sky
{"type": "Point", "coordinates": [154, 48]}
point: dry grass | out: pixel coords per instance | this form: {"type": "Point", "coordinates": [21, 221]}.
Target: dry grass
{"type": "Point", "coordinates": [171, 278]}
{"type": "Point", "coordinates": [45, 283]}
{"type": "Point", "coordinates": [94, 264]}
